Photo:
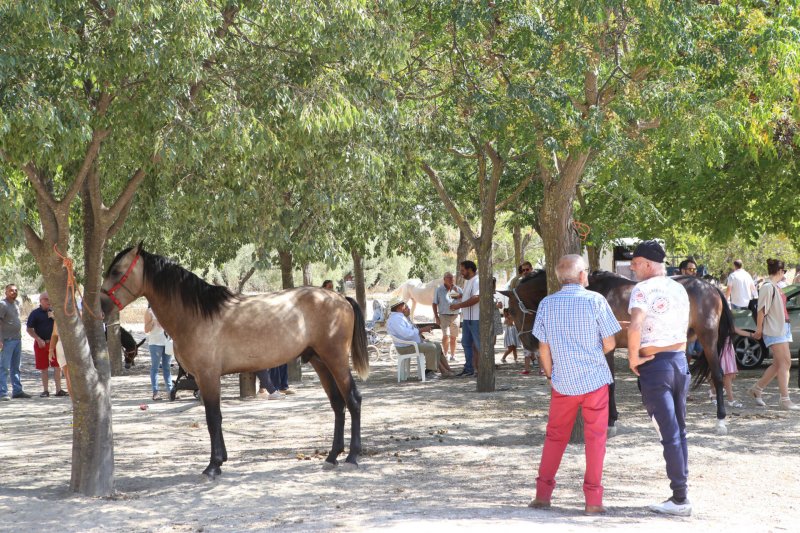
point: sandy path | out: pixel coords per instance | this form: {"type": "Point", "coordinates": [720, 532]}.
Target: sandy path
{"type": "Point", "coordinates": [437, 456]}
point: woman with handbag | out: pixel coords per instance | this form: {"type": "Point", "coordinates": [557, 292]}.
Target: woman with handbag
{"type": "Point", "coordinates": [773, 324]}
{"type": "Point", "coordinates": [157, 342]}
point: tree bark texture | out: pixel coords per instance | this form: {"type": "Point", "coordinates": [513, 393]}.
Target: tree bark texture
{"type": "Point", "coordinates": [308, 281]}
{"type": "Point", "coordinates": [114, 340]}
{"type": "Point", "coordinates": [247, 385]}
{"type": "Point", "coordinates": [555, 217]}
{"type": "Point", "coordinates": [464, 247]}
{"type": "Point", "coordinates": [287, 269]}
{"type": "Point", "coordinates": [486, 371]}
{"type": "Point", "coordinates": [92, 471]}
{"type": "Point", "coordinates": [594, 257]}
{"type": "Point", "coordinates": [516, 233]}
{"type": "Point", "coordinates": [243, 280]}
{"type": "Point", "coordinates": [287, 280]}
{"type": "Point", "coordinates": [358, 279]}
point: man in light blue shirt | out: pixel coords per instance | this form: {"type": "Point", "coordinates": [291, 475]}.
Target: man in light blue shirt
{"type": "Point", "coordinates": [446, 317]}
{"type": "Point", "coordinates": [575, 328]}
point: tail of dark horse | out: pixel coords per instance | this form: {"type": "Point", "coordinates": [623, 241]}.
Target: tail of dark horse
{"type": "Point", "coordinates": [359, 347]}
{"type": "Point", "coordinates": [701, 370]}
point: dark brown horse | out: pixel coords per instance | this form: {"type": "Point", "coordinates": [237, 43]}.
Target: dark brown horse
{"type": "Point", "coordinates": [216, 333]}
{"type": "Point", "coordinates": [130, 347]}
{"type": "Point", "coordinates": [710, 322]}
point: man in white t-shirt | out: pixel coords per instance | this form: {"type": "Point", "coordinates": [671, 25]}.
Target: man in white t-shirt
{"type": "Point", "coordinates": [741, 288]}
{"type": "Point", "coordinates": [659, 308]}
{"type": "Point", "coordinates": [470, 305]}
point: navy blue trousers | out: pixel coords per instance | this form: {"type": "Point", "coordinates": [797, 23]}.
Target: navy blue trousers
{"type": "Point", "coordinates": [280, 376]}
{"type": "Point", "coordinates": [265, 380]}
{"type": "Point", "coordinates": [665, 384]}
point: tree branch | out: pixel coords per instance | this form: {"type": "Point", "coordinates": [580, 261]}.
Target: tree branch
{"type": "Point", "coordinates": [98, 136]}
{"type": "Point", "coordinates": [498, 166]}
{"type": "Point", "coordinates": [448, 203]}
{"type": "Point", "coordinates": [518, 190]}
{"type": "Point", "coordinates": [39, 186]}
{"type": "Point", "coordinates": [112, 214]}
{"type": "Point", "coordinates": [461, 154]}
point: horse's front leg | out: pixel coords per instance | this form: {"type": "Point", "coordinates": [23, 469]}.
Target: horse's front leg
{"type": "Point", "coordinates": [613, 414]}
{"type": "Point", "coordinates": [210, 393]}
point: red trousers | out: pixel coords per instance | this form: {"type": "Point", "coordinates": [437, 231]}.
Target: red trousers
{"type": "Point", "coordinates": [563, 410]}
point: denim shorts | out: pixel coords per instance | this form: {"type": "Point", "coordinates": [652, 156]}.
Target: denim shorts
{"type": "Point", "coordinates": [769, 340]}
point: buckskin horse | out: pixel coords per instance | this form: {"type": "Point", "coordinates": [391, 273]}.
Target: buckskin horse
{"type": "Point", "coordinates": [216, 332]}
{"type": "Point", "coordinates": [710, 322]}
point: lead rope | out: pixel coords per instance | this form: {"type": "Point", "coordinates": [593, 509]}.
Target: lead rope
{"type": "Point", "coordinates": [69, 264]}
{"type": "Point", "coordinates": [525, 311]}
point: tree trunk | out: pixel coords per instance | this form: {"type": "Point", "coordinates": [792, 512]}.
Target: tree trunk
{"type": "Point", "coordinates": [517, 234]}
{"type": "Point", "coordinates": [486, 373]}
{"type": "Point", "coordinates": [308, 281]}
{"type": "Point", "coordinates": [114, 343]}
{"type": "Point", "coordinates": [244, 279]}
{"type": "Point", "coordinates": [287, 280]}
{"type": "Point", "coordinates": [594, 257]}
{"type": "Point", "coordinates": [287, 269]}
{"type": "Point", "coordinates": [464, 246]}
{"type": "Point", "coordinates": [247, 385]}
{"type": "Point", "coordinates": [93, 441]}
{"type": "Point", "coordinates": [555, 221]}
{"type": "Point", "coordinates": [358, 279]}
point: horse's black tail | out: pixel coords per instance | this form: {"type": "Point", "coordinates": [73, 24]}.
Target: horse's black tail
{"type": "Point", "coordinates": [700, 368]}
{"type": "Point", "coordinates": [359, 347]}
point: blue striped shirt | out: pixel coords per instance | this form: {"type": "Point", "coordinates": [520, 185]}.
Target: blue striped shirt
{"type": "Point", "coordinates": [573, 322]}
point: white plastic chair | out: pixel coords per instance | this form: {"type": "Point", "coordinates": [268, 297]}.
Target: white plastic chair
{"type": "Point", "coordinates": [404, 360]}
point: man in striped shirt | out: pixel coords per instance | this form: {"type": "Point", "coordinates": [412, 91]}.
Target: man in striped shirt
{"type": "Point", "coordinates": [575, 328]}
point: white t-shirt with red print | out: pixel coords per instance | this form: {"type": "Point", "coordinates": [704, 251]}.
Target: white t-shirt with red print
{"type": "Point", "coordinates": [666, 305]}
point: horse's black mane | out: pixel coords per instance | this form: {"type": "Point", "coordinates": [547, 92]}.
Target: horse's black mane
{"type": "Point", "coordinates": [535, 274]}
{"type": "Point", "coordinates": [609, 278]}
{"type": "Point", "coordinates": [171, 280]}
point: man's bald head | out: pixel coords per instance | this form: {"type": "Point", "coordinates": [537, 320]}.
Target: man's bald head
{"type": "Point", "coordinates": [569, 268]}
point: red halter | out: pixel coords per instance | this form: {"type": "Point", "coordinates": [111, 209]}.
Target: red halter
{"type": "Point", "coordinates": [119, 285]}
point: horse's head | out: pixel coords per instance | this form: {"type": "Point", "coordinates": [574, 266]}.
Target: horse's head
{"type": "Point", "coordinates": [124, 280]}
{"type": "Point", "coordinates": [130, 349]}
{"type": "Point", "coordinates": [523, 302]}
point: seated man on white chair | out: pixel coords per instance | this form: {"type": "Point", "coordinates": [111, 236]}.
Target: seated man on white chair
{"type": "Point", "coordinates": [399, 327]}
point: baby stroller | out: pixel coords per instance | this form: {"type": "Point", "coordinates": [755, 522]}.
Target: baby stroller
{"type": "Point", "coordinates": [376, 340]}
{"type": "Point", "coordinates": [184, 381]}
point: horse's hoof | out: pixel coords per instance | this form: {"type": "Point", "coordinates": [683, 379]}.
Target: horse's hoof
{"type": "Point", "coordinates": [212, 472]}
{"type": "Point", "coordinates": [722, 429]}
{"type": "Point", "coordinates": [611, 432]}
{"type": "Point", "coordinates": [350, 466]}
{"type": "Point", "coordinates": [327, 465]}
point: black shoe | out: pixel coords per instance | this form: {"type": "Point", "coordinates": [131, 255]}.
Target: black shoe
{"type": "Point", "coordinates": [45, 394]}
{"type": "Point", "coordinates": [62, 392]}
{"type": "Point", "coordinates": [430, 375]}
{"type": "Point", "coordinates": [22, 394]}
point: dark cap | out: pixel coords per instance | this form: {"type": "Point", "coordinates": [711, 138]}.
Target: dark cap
{"type": "Point", "coordinates": [651, 251]}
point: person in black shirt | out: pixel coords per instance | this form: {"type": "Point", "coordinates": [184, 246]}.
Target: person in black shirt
{"type": "Point", "coordinates": [40, 327]}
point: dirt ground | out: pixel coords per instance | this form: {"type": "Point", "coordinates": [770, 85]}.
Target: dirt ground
{"type": "Point", "coordinates": [437, 457]}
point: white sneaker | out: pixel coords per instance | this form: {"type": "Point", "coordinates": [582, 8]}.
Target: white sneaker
{"type": "Point", "coordinates": [670, 507]}
{"type": "Point", "coordinates": [736, 404]}
{"type": "Point", "coordinates": [275, 396]}
{"type": "Point", "coordinates": [262, 395]}
{"type": "Point", "coordinates": [452, 358]}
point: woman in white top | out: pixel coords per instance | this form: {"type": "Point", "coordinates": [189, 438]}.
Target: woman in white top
{"type": "Point", "coordinates": [773, 324]}
{"type": "Point", "coordinates": [157, 341]}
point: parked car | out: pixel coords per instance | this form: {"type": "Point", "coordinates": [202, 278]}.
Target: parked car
{"type": "Point", "coordinates": [750, 353]}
